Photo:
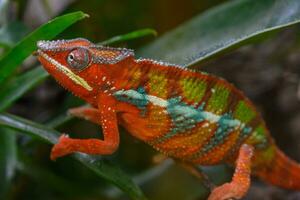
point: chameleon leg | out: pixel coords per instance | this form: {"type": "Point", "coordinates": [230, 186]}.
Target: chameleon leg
{"type": "Point", "coordinates": [240, 183]}
{"type": "Point", "coordinates": [106, 116]}
{"type": "Point", "coordinates": [198, 174]}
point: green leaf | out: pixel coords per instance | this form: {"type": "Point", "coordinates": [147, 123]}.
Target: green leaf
{"type": "Point", "coordinates": [18, 86]}
{"type": "Point", "coordinates": [25, 47]}
{"type": "Point", "coordinates": [130, 36]}
{"type": "Point", "coordinates": [8, 160]}
{"type": "Point", "coordinates": [101, 167]}
{"type": "Point", "coordinates": [218, 29]}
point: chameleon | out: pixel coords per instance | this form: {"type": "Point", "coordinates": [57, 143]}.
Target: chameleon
{"type": "Point", "coordinates": [191, 116]}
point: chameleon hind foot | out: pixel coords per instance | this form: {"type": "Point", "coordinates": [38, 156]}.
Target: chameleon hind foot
{"type": "Point", "coordinates": [240, 183]}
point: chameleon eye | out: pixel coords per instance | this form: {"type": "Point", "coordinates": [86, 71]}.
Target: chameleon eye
{"type": "Point", "coordinates": [78, 59]}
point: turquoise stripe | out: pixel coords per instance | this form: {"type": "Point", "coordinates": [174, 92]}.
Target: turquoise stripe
{"type": "Point", "coordinates": [185, 117]}
{"type": "Point", "coordinates": [226, 125]}
{"type": "Point", "coordinates": [136, 98]}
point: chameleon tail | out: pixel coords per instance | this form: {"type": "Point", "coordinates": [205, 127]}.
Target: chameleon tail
{"type": "Point", "coordinates": [280, 170]}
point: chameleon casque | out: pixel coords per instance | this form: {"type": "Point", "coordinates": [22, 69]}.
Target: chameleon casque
{"type": "Point", "coordinates": [193, 117]}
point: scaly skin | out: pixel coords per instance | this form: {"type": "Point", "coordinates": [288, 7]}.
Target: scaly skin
{"type": "Point", "coordinates": [193, 117]}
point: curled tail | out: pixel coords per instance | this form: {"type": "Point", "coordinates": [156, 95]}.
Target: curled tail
{"type": "Point", "coordinates": [277, 169]}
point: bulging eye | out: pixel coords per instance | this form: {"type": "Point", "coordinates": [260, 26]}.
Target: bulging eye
{"type": "Point", "coordinates": [78, 59]}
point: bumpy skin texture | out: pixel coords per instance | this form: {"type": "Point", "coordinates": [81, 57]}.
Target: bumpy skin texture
{"type": "Point", "coordinates": [193, 117]}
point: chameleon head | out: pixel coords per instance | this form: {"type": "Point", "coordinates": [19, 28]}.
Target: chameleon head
{"type": "Point", "coordinates": [78, 64]}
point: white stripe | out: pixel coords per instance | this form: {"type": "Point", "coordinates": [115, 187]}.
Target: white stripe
{"type": "Point", "coordinates": [157, 101]}
{"type": "Point", "coordinates": [185, 110]}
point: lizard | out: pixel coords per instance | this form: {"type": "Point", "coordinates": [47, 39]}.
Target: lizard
{"type": "Point", "coordinates": [191, 116]}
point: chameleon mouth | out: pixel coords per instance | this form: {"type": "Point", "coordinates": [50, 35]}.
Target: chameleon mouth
{"type": "Point", "coordinates": [75, 78]}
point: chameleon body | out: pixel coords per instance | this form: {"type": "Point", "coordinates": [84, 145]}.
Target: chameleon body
{"type": "Point", "coordinates": [193, 117]}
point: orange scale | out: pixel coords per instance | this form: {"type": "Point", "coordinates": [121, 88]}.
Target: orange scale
{"type": "Point", "coordinates": [152, 124]}
{"type": "Point", "coordinates": [186, 143]}
{"type": "Point", "coordinates": [157, 120]}
{"type": "Point", "coordinates": [219, 152]}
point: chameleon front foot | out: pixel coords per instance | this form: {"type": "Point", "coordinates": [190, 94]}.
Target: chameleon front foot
{"type": "Point", "coordinates": [107, 118]}
{"type": "Point", "coordinates": [91, 146]}
{"type": "Point", "coordinates": [62, 148]}
{"type": "Point", "coordinates": [240, 183]}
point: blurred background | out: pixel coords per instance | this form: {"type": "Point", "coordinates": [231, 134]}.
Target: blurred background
{"type": "Point", "coordinates": [267, 71]}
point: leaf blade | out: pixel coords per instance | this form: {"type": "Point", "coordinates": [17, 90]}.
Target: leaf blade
{"type": "Point", "coordinates": [8, 159]}
{"type": "Point", "coordinates": [130, 36]}
{"type": "Point", "coordinates": [19, 86]}
{"type": "Point", "coordinates": [221, 28]}
{"type": "Point", "coordinates": [25, 47]}
{"type": "Point", "coordinates": [101, 167]}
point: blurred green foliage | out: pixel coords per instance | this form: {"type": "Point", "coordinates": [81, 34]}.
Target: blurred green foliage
{"type": "Point", "coordinates": [212, 28]}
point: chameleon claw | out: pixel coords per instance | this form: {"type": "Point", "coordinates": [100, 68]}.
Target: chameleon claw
{"type": "Point", "coordinates": [61, 148]}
